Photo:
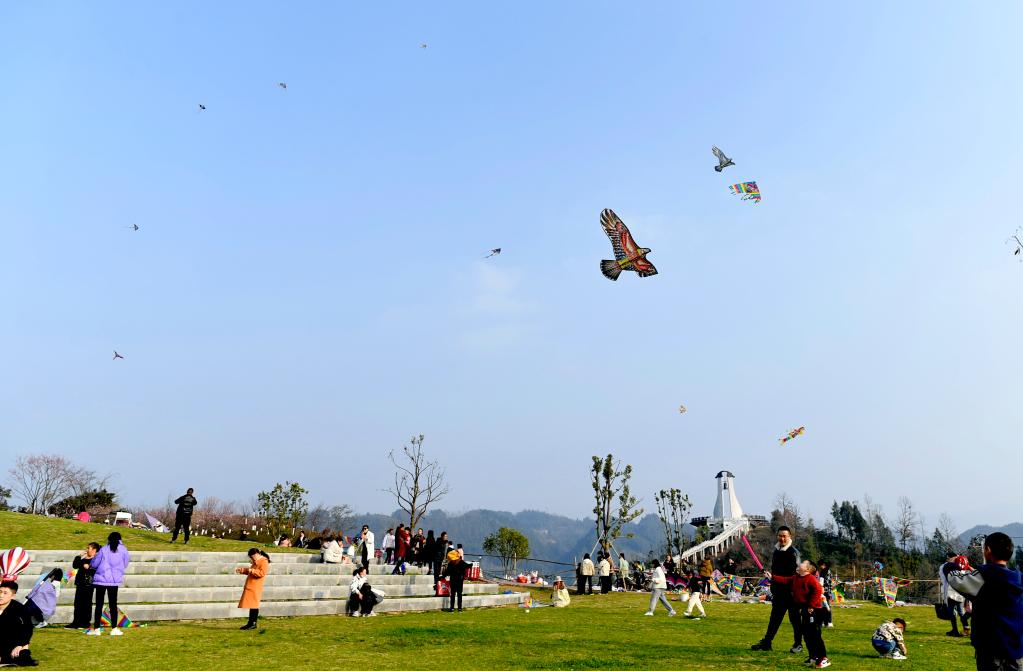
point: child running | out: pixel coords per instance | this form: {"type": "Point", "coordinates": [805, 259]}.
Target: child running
{"type": "Point", "coordinates": [888, 639]}
{"type": "Point", "coordinates": [806, 595]}
{"type": "Point", "coordinates": [695, 595]}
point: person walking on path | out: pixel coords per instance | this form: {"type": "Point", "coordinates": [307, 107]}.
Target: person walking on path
{"type": "Point", "coordinates": [996, 592]}
{"type": "Point", "coordinates": [784, 561]}
{"type": "Point", "coordinates": [604, 570]}
{"type": "Point", "coordinates": [695, 596]}
{"type": "Point", "coordinates": [15, 628]}
{"type": "Point", "coordinates": [455, 571]}
{"type": "Point", "coordinates": [255, 577]}
{"type": "Point", "coordinates": [109, 565]}
{"type": "Point", "coordinates": [658, 586]}
{"type": "Point", "coordinates": [586, 571]}
{"type": "Point", "coordinates": [807, 595]}
{"type": "Point", "coordinates": [82, 564]}
{"type": "Point", "coordinates": [183, 518]}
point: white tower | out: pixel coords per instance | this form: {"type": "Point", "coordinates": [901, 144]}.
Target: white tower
{"type": "Point", "coordinates": [727, 510]}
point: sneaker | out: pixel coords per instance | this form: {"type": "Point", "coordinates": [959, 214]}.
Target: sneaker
{"type": "Point", "coordinates": [671, 614]}
{"type": "Point", "coordinates": [898, 655]}
{"type": "Point", "coordinates": [694, 618]}
{"type": "Point", "coordinates": [94, 632]}
{"type": "Point", "coordinates": [953, 634]}
{"type": "Point", "coordinates": [796, 649]}
{"type": "Point", "coordinates": [371, 615]}
{"type": "Point", "coordinates": [116, 632]}
{"type": "Point", "coordinates": [762, 645]}
{"type": "Point", "coordinates": [966, 631]}
{"type": "Point", "coordinates": [649, 613]}
{"type": "Point", "coordinates": [824, 663]}
{"type": "Point", "coordinates": [356, 614]}
{"type": "Point", "coordinates": [247, 626]}
{"type": "Point", "coordinates": [831, 625]}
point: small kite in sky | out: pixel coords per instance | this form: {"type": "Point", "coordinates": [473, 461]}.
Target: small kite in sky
{"type": "Point", "coordinates": [117, 356]}
{"type": "Point", "coordinates": [792, 434]}
{"type": "Point", "coordinates": [681, 409]}
{"type": "Point", "coordinates": [493, 252]}
{"type": "Point", "coordinates": [283, 85]}
{"type": "Point", "coordinates": [202, 108]}
{"type": "Point", "coordinates": [749, 191]}
{"type": "Point", "coordinates": [423, 45]}
{"type": "Point", "coordinates": [133, 227]}
{"type": "Point", "coordinates": [1015, 239]}
{"type": "Point", "coordinates": [628, 255]}
{"type": "Point", "coordinates": [723, 161]}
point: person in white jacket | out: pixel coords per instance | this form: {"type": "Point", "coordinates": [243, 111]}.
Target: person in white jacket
{"type": "Point", "coordinates": [388, 546]}
{"type": "Point", "coordinates": [658, 586]}
{"type": "Point", "coordinates": [360, 595]}
{"type": "Point", "coordinates": [333, 550]}
{"type": "Point", "coordinates": [366, 547]}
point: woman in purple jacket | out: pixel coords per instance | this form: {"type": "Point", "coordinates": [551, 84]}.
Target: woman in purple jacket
{"type": "Point", "coordinates": [109, 565]}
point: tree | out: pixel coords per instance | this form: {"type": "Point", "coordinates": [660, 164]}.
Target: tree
{"type": "Point", "coordinates": [336, 518]}
{"type": "Point", "coordinates": [673, 507]}
{"type": "Point", "coordinates": [418, 482]}
{"type": "Point", "coordinates": [40, 480]}
{"type": "Point", "coordinates": [850, 521]}
{"type": "Point", "coordinates": [72, 504]}
{"type": "Point", "coordinates": [906, 522]}
{"type": "Point", "coordinates": [283, 507]}
{"type": "Point", "coordinates": [508, 544]}
{"type": "Point", "coordinates": [786, 513]}
{"type": "Point", "coordinates": [4, 495]}
{"type": "Point", "coordinates": [615, 506]}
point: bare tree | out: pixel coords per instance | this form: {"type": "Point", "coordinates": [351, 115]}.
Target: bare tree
{"type": "Point", "coordinates": [418, 482]}
{"type": "Point", "coordinates": [615, 506]}
{"type": "Point", "coordinates": [949, 532]}
{"type": "Point", "coordinates": [906, 522]}
{"type": "Point", "coordinates": [41, 480]}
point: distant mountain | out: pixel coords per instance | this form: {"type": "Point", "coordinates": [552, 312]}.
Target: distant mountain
{"type": "Point", "coordinates": [551, 537]}
{"type": "Point", "coordinates": [1014, 530]}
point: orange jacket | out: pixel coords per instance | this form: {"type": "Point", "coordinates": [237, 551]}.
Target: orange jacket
{"type": "Point", "coordinates": [253, 591]}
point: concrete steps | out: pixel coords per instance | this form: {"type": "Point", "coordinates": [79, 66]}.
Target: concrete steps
{"type": "Point", "coordinates": [204, 585]}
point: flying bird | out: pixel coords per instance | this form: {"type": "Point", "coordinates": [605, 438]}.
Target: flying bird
{"type": "Point", "coordinates": [628, 255]}
{"type": "Point", "coordinates": [493, 252]}
{"type": "Point", "coordinates": [723, 161]}
{"type": "Point", "coordinates": [202, 108]}
{"type": "Point", "coordinates": [117, 356]}
{"type": "Point", "coordinates": [283, 85]}
{"type": "Point", "coordinates": [1015, 239]}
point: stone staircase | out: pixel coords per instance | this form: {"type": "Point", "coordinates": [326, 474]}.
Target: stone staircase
{"type": "Point", "coordinates": [204, 586]}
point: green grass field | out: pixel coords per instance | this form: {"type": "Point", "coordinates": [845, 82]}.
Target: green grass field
{"type": "Point", "coordinates": [46, 533]}
{"type": "Point", "coordinates": [595, 632]}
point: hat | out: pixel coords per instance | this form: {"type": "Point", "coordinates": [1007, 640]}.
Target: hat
{"type": "Point", "coordinates": [557, 578]}
{"type": "Point", "coordinates": [453, 555]}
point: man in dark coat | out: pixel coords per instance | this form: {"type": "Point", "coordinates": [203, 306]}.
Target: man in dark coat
{"type": "Point", "coordinates": [784, 561]}
{"type": "Point", "coordinates": [15, 628]}
{"type": "Point", "coordinates": [186, 504]}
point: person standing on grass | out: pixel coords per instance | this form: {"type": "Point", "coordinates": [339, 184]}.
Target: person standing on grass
{"type": "Point", "coordinates": [183, 517]}
{"type": "Point", "coordinates": [623, 572]}
{"type": "Point", "coordinates": [954, 600]}
{"type": "Point", "coordinates": [707, 572]}
{"type": "Point", "coordinates": [604, 569]}
{"type": "Point", "coordinates": [456, 572]}
{"type": "Point", "coordinates": [255, 577]}
{"type": "Point", "coordinates": [695, 595]}
{"type": "Point", "coordinates": [996, 592]}
{"type": "Point", "coordinates": [827, 580]}
{"type": "Point", "coordinates": [82, 564]}
{"type": "Point", "coordinates": [586, 571]}
{"type": "Point", "coordinates": [658, 586]}
{"type": "Point", "coordinates": [806, 595]}
{"type": "Point", "coordinates": [15, 628]}
{"type": "Point", "coordinates": [784, 561]}
{"type": "Point", "coordinates": [109, 565]}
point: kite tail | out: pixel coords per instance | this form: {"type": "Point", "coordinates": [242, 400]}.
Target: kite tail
{"type": "Point", "coordinates": [611, 269]}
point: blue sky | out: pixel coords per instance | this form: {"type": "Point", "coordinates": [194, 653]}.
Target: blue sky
{"type": "Point", "coordinates": [307, 289]}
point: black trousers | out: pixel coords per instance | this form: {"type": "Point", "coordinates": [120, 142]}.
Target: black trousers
{"type": "Point", "coordinates": [179, 522]}
{"type": "Point", "coordinates": [781, 603]}
{"type": "Point", "coordinates": [456, 591]}
{"type": "Point", "coordinates": [23, 659]}
{"type": "Point", "coordinates": [605, 584]}
{"type": "Point", "coordinates": [586, 585]}
{"type": "Point", "coordinates": [810, 625]}
{"type": "Point", "coordinates": [83, 605]}
{"type": "Point", "coordinates": [365, 557]}
{"type": "Point", "coordinates": [101, 590]}
{"type": "Point", "coordinates": [365, 604]}
{"type": "Point", "coordinates": [437, 564]}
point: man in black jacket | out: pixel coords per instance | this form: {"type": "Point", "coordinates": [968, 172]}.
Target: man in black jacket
{"type": "Point", "coordinates": [183, 518]}
{"type": "Point", "coordinates": [784, 561]}
{"type": "Point", "coordinates": [15, 628]}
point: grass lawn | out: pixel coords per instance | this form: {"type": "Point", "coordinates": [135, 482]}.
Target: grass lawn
{"type": "Point", "coordinates": [34, 532]}
{"type": "Point", "coordinates": [596, 632]}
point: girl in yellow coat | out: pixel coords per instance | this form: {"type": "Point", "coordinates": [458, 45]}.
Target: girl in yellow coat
{"type": "Point", "coordinates": [253, 590]}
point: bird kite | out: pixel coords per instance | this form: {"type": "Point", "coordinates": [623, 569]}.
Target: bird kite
{"type": "Point", "coordinates": [792, 434]}
{"type": "Point", "coordinates": [628, 255]}
{"type": "Point", "coordinates": [202, 108]}
{"type": "Point", "coordinates": [723, 161]}
{"type": "Point", "coordinates": [133, 227]}
{"type": "Point", "coordinates": [282, 85]}
{"type": "Point", "coordinates": [117, 356]}
{"type": "Point", "coordinates": [749, 191]}
{"type": "Point", "coordinates": [12, 563]}
{"type": "Point", "coordinates": [493, 252]}
{"type": "Point", "coordinates": [681, 409]}
{"type": "Point", "coordinates": [1015, 239]}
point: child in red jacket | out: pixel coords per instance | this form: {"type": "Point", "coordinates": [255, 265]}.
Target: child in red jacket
{"type": "Point", "coordinates": [806, 594]}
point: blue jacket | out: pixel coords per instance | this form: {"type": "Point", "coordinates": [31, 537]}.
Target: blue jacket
{"type": "Point", "coordinates": [997, 595]}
